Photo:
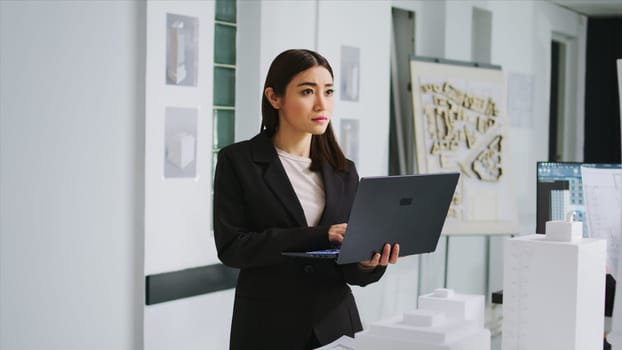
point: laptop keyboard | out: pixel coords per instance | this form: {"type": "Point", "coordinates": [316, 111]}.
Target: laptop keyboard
{"type": "Point", "coordinates": [325, 252]}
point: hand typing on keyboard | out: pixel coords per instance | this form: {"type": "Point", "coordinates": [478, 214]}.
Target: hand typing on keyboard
{"type": "Point", "coordinates": [336, 234]}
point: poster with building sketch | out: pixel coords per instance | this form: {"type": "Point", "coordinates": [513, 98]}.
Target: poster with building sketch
{"type": "Point", "coordinates": [460, 124]}
{"type": "Point", "coordinates": [182, 50]}
{"type": "Point", "coordinates": [180, 142]}
{"type": "Point", "coordinates": [349, 138]}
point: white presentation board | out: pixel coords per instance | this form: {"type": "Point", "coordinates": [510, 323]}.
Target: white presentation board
{"type": "Point", "coordinates": [460, 125]}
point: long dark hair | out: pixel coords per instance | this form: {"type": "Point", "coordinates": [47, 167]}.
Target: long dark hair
{"type": "Point", "coordinates": [324, 147]}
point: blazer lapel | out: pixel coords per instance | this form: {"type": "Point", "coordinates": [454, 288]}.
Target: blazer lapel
{"type": "Point", "coordinates": [333, 189]}
{"type": "Point", "coordinates": [276, 178]}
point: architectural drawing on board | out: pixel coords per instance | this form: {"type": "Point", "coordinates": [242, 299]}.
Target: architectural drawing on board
{"type": "Point", "coordinates": [460, 122]}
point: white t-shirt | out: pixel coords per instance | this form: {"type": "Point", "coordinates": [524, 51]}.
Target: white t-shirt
{"type": "Point", "coordinates": [307, 184]}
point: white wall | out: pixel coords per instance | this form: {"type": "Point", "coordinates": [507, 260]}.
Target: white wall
{"type": "Point", "coordinates": [200, 322]}
{"type": "Point", "coordinates": [429, 25]}
{"type": "Point", "coordinates": [177, 220]}
{"type": "Point", "coordinates": [249, 77]}
{"type": "Point", "coordinates": [367, 27]}
{"type": "Point", "coordinates": [71, 174]}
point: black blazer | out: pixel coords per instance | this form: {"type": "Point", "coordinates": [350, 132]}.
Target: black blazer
{"type": "Point", "coordinates": [281, 301]}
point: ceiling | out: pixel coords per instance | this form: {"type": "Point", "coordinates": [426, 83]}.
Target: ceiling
{"type": "Point", "coordinates": [593, 8]}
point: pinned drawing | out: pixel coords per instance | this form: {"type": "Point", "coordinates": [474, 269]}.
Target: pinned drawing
{"type": "Point", "coordinates": [180, 142]}
{"type": "Point", "coordinates": [349, 138]}
{"type": "Point", "coordinates": [181, 50]}
{"type": "Point", "coordinates": [350, 68]}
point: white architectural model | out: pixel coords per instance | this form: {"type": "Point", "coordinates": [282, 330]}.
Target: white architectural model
{"type": "Point", "coordinates": [554, 290]}
{"type": "Point", "coordinates": [444, 321]}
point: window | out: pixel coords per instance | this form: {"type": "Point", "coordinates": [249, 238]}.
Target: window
{"type": "Point", "coordinates": [224, 77]}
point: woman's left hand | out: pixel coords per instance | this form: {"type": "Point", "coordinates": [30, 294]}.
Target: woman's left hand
{"type": "Point", "coordinates": [389, 256]}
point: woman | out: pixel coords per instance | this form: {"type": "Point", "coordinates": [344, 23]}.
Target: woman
{"type": "Point", "coordinates": [290, 188]}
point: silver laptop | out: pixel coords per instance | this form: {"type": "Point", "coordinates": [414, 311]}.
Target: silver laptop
{"type": "Point", "coordinates": [409, 210]}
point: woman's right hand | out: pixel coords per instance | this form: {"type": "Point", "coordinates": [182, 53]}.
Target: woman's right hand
{"type": "Point", "coordinates": [336, 233]}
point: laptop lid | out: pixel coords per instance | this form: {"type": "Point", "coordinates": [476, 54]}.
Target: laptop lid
{"type": "Point", "coordinates": [408, 209]}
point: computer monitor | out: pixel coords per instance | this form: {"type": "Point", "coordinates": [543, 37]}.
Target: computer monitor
{"type": "Point", "coordinates": [559, 190]}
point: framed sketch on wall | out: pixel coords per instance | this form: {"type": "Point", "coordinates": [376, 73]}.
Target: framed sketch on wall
{"type": "Point", "coordinates": [460, 125]}
{"type": "Point", "coordinates": [182, 49]}
{"type": "Point", "coordinates": [180, 142]}
{"type": "Point", "coordinates": [349, 138]}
